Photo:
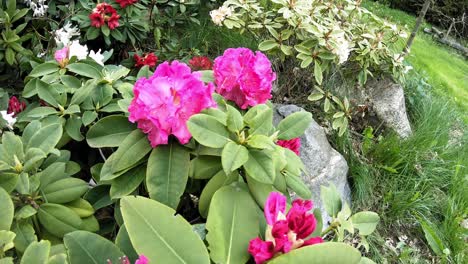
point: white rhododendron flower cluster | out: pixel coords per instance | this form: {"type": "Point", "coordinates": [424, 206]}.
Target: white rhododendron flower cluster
{"type": "Point", "coordinates": [220, 14]}
{"type": "Point", "coordinates": [39, 7]}
{"type": "Point", "coordinates": [65, 34]}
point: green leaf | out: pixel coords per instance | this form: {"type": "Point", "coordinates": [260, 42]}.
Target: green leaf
{"type": "Point", "coordinates": [44, 69]}
{"type": "Point", "coordinates": [232, 223]}
{"type": "Point", "coordinates": [331, 199]}
{"type": "Point", "coordinates": [53, 173]}
{"type": "Point", "coordinates": [40, 112]}
{"type": "Point", "coordinates": [109, 132]}
{"type": "Point", "coordinates": [260, 142]}
{"type": "Point", "coordinates": [127, 182]}
{"type": "Point", "coordinates": [11, 146]}
{"type": "Point", "coordinates": [365, 221]}
{"type": "Point", "coordinates": [208, 131]}
{"type": "Point", "coordinates": [81, 207]}
{"type": "Point", "coordinates": [123, 242]}
{"type": "Point", "coordinates": [89, 117]}
{"type": "Point", "coordinates": [432, 238]}
{"type": "Point", "coordinates": [86, 247]}
{"type": "Point", "coordinates": [294, 125]}
{"type": "Point", "coordinates": [260, 191]}
{"type": "Point", "coordinates": [305, 63]}
{"type": "Point", "coordinates": [90, 224]}
{"type": "Point", "coordinates": [7, 210]}
{"type": "Point", "coordinates": [6, 240]}
{"type": "Point", "coordinates": [234, 120]}
{"type": "Point", "coordinates": [315, 97]}
{"type": "Point", "coordinates": [8, 181]}
{"type": "Point", "coordinates": [46, 138]}
{"type": "Point", "coordinates": [167, 173]}
{"type": "Point", "coordinates": [36, 253]}
{"type": "Point", "coordinates": [318, 73]}
{"type": "Point", "coordinates": [47, 93]}
{"type": "Point", "coordinates": [159, 234]}
{"type": "Point", "coordinates": [260, 119]}
{"type": "Point", "coordinates": [65, 190]}
{"type": "Point", "coordinates": [296, 184]}
{"type": "Point", "coordinates": [267, 45]}
{"type": "Point", "coordinates": [132, 149]}
{"type": "Point", "coordinates": [215, 183]}
{"type": "Point", "coordinates": [25, 235]}
{"type": "Point", "coordinates": [204, 167]}
{"type": "Point", "coordinates": [260, 166]}
{"type": "Point", "coordinates": [207, 76]}
{"type": "Point", "coordinates": [85, 70]}
{"type": "Point", "coordinates": [233, 157]}
{"type": "Point", "coordinates": [73, 127]}
{"type": "Point", "coordinates": [324, 253]}
{"type": "Point", "coordinates": [58, 219]}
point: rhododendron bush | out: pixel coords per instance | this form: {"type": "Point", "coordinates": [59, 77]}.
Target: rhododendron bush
{"type": "Point", "coordinates": [113, 152]}
{"type": "Point", "coordinates": [328, 37]}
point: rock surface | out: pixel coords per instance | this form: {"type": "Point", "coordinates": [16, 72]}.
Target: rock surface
{"type": "Point", "coordinates": [388, 102]}
{"type": "Point", "coordinates": [323, 163]}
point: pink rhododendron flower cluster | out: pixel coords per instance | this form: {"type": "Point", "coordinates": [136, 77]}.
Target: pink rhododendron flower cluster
{"type": "Point", "coordinates": [284, 232]}
{"type": "Point", "coordinates": [142, 259]}
{"type": "Point", "coordinates": [244, 77]}
{"type": "Point", "coordinates": [292, 144]}
{"type": "Point", "coordinates": [164, 102]}
{"type": "Point", "coordinates": [15, 106]}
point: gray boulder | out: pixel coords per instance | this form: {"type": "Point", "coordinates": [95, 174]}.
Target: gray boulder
{"type": "Point", "coordinates": [388, 102]}
{"type": "Point", "coordinates": [323, 163]}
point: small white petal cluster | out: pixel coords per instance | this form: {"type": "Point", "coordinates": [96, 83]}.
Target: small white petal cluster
{"type": "Point", "coordinates": [38, 7]}
{"type": "Point", "coordinates": [81, 52]}
{"type": "Point", "coordinates": [8, 118]}
{"type": "Point", "coordinates": [343, 47]}
{"type": "Point", "coordinates": [220, 14]}
{"type": "Point", "coordinates": [78, 50]}
{"type": "Point", "coordinates": [97, 56]}
{"type": "Point", "coordinates": [65, 34]}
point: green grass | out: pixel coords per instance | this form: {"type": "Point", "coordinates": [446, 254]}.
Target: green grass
{"type": "Point", "coordinates": [415, 182]}
{"type": "Point", "coordinates": [447, 70]}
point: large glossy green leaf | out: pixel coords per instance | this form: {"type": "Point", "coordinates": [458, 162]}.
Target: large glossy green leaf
{"type": "Point", "coordinates": [58, 219]}
{"type": "Point", "coordinates": [331, 199]}
{"type": "Point", "coordinates": [232, 222]}
{"type": "Point", "coordinates": [167, 173]}
{"type": "Point", "coordinates": [204, 167]}
{"type": "Point", "coordinates": [8, 181]}
{"type": "Point", "coordinates": [294, 125]}
{"type": "Point", "coordinates": [86, 247]}
{"type": "Point", "coordinates": [85, 70]}
{"type": "Point", "coordinates": [123, 242]}
{"type": "Point", "coordinates": [235, 121]}
{"type": "Point", "coordinates": [365, 221]}
{"type": "Point", "coordinates": [260, 191]}
{"type": "Point", "coordinates": [53, 173]}
{"type": "Point", "coordinates": [159, 234]}
{"type": "Point", "coordinates": [208, 131]}
{"type": "Point", "coordinates": [260, 166]}
{"type": "Point", "coordinates": [46, 138]}
{"type": "Point", "coordinates": [25, 235]}
{"type": "Point", "coordinates": [260, 119]}
{"type": "Point", "coordinates": [134, 148]}
{"type": "Point", "coordinates": [109, 132]}
{"type": "Point", "coordinates": [36, 253]}
{"type": "Point", "coordinates": [7, 210]}
{"type": "Point", "coordinates": [127, 182]}
{"type": "Point", "coordinates": [65, 190]}
{"type": "Point", "coordinates": [44, 69]}
{"type": "Point", "coordinates": [296, 184]}
{"type": "Point", "coordinates": [81, 207]}
{"type": "Point", "coordinates": [325, 253]}
{"type": "Point", "coordinates": [219, 180]}
{"type": "Point", "coordinates": [233, 156]}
